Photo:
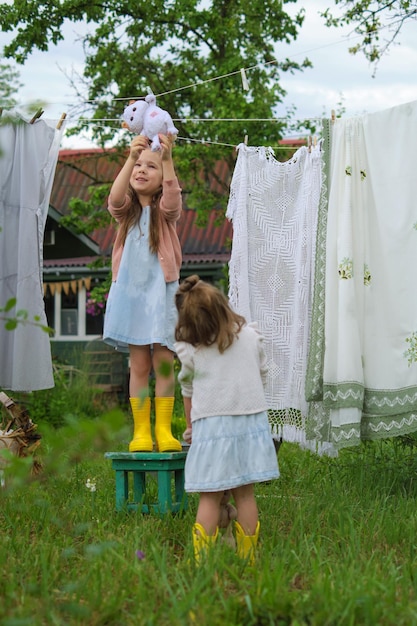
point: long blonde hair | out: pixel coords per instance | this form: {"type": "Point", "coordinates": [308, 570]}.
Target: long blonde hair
{"type": "Point", "coordinates": [204, 315]}
{"type": "Point", "coordinates": [133, 216]}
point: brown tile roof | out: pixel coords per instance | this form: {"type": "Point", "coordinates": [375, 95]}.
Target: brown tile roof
{"type": "Point", "coordinates": [77, 170]}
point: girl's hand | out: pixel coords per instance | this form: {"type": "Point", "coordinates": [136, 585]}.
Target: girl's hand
{"type": "Point", "coordinates": [187, 436]}
{"type": "Point", "coordinates": [166, 142]}
{"type": "Point", "coordinates": [139, 143]}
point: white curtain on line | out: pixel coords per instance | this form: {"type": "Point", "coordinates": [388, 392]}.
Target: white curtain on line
{"type": "Point", "coordinates": [28, 157]}
{"type": "Point", "coordinates": [369, 348]}
{"type": "Point", "coordinates": [273, 207]}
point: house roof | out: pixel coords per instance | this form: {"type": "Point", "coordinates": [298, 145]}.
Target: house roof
{"type": "Point", "coordinates": [78, 170]}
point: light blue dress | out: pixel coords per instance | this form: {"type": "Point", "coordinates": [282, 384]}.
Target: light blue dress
{"type": "Point", "coordinates": [141, 305]}
{"type": "Point", "coordinates": [229, 451]}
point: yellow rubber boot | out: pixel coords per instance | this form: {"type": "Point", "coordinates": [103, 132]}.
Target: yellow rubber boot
{"type": "Point", "coordinates": [165, 442]}
{"type": "Point", "coordinates": [246, 544]}
{"type": "Point", "coordinates": [142, 438]}
{"type": "Point", "coordinates": [202, 542]}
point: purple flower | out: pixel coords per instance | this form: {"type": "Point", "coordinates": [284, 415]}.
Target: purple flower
{"type": "Point", "coordinates": [95, 306]}
{"type": "Point", "coordinates": [140, 555]}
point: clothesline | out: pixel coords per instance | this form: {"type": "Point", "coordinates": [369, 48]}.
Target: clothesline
{"type": "Point", "coordinates": [183, 120]}
{"type": "Point", "coordinates": [273, 120]}
{"type": "Point", "coordinates": [241, 71]}
{"type": "Point", "coordinates": [232, 145]}
{"type": "Point", "coordinates": [221, 76]}
{"type": "Point", "coordinates": [63, 118]}
{"type": "Point", "coordinates": [90, 120]}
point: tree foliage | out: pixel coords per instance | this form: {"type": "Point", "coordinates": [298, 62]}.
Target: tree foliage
{"type": "Point", "coordinates": [190, 53]}
{"type": "Point", "coordinates": [377, 22]}
{"type": "Point", "coordinates": [9, 84]}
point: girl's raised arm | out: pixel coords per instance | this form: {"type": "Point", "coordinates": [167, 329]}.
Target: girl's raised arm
{"type": "Point", "coordinates": [168, 168]}
{"type": "Point", "coordinates": [121, 183]}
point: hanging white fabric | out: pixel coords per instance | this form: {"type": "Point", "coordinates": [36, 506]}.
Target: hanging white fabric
{"type": "Point", "coordinates": [273, 207]}
{"type": "Point", "coordinates": [28, 157]}
{"type": "Point", "coordinates": [369, 386]}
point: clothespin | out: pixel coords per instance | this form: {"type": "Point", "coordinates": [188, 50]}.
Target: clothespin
{"type": "Point", "coordinates": [37, 115]}
{"type": "Point", "coordinates": [333, 115]}
{"type": "Point", "coordinates": [314, 141]}
{"type": "Point", "coordinates": [245, 142]}
{"type": "Point", "coordinates": [61, 121]}
{"type": "Point", "coordinates": [309, 143]}
{"type": "Point", "coordinates": [245, 83]}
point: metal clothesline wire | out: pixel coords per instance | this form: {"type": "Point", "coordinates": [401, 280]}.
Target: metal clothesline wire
{"type": "Point", "coordinates": [235, 72]}
{"type": "Point", "coordinates": [207, 141]}
{"type": "Point", "coordinates": [239, 71]}
{"type": "Point", "coordinates": [244, 69]}
{"type": "Point", "coordinates": [89, 120]}
{"type": "Point", "coordinates": [233, 145]}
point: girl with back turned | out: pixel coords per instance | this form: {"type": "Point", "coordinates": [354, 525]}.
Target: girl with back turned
{"type": "Point", "coordinates": [222, 379]}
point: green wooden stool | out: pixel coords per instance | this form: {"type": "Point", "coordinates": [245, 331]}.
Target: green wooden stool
{"type": "Point", "coordinates": [164, 464]}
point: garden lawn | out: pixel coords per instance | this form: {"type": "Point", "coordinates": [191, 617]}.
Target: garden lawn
{"type": "Point", "coordinates": [337, 547]}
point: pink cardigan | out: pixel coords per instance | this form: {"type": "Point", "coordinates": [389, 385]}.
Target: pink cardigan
{"type": "Point", "coordinates": [169, 251]}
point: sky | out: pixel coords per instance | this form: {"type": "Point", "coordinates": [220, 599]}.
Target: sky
{"type": "Point", "coordinates": [337, 78]}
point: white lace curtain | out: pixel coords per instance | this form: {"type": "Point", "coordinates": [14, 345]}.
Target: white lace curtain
{"type": "Point", "coordinates": [273, 207]}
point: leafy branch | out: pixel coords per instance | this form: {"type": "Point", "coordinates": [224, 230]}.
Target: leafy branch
{"type": "Point", "coordinates": [20, 317]}
{"type": "Point", "coordinates": [370, 18]}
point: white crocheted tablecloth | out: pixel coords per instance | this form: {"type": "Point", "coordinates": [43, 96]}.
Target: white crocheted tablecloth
{"type": "Point", "coordinates": [273, 207]}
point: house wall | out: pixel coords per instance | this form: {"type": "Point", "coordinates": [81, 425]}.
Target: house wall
{"type": "Point", "coordinates": [107, 369]}
{"type": "Point", "coordinates": [78, 334]}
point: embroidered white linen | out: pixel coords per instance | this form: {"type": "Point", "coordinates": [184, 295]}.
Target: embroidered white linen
{"type": "Point", "coordinates": [370, 357]}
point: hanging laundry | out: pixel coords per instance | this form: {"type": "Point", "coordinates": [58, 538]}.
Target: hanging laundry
{"type": "Point", "coordinates": [367, 339]}
{"type": "Point", "coordinates": [28, 157]}
{"type": "Point", "coordinates": [273, 207]}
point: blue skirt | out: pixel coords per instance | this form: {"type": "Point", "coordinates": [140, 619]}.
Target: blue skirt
{"type": "Point", "coordinates": [140, 308]}
{"type": "Point", "coordinates": [229, 451]}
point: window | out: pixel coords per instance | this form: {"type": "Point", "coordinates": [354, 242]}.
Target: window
{"type": "Point", "coordinates": [50, 309]}
{"type": "Point", "coordinates": [67, 314]}
{"type": "Point", "coordinates": [94, 323]}
{"type": "Point", "coordinates": [69, 322]}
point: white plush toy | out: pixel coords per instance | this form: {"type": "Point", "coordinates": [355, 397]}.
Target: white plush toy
{"type": "Point", "coordinates": [143, 117]}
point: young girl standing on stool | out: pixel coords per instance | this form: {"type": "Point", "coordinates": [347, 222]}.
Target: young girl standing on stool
{"type": "Point", "coordinates": [145, 199]}
{"type": "Point", "coordinates": [222, 379]}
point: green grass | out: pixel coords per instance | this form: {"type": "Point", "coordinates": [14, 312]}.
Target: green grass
{"type": "Point", "coordinates": [338, 543]}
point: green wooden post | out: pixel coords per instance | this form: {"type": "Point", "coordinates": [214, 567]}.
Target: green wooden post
{"type": "Point", "coordinates": [122, 489]}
